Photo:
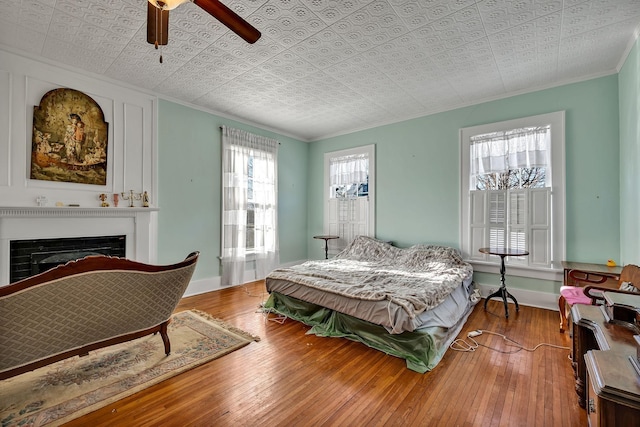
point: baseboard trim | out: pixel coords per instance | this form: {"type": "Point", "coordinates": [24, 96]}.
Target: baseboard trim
{"type": "Point", "coordinates": [525, 297]}
{"type": "Point", "coordinates": [214, 283]}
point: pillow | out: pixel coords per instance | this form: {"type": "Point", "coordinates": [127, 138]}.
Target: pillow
{"type": "Point", "coordinates": [628, 286]}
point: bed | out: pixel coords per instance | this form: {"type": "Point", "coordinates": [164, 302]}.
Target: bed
{"type": "Point", "coordinates": [407, 302]}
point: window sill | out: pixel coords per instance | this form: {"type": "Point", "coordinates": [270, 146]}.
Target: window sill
{"type": "Point", "coordinates": [554, 274]}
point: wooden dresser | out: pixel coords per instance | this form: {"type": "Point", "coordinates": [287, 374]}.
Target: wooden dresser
{"type": "Point", "coordinates": [607, 384]}
{"type": "Point", "coordinates": [613, 392]}
{"type": "Point", "coordinates": [593, 329]}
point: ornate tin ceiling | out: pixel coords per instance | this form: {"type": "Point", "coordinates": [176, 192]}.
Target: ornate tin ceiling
{"type": "Point", "coordinates": [328, 67]}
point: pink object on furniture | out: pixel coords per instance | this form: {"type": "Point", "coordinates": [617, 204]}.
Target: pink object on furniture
{"type": "Point", "coordinates": [596, 285]}
{"type": "Point", "coordinates": [574, 295]}
{"type": "Point", "coordinates": [570, 295]}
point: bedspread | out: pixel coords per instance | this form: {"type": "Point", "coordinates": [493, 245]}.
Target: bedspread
{"type": "Point", "coordinates": [416, 278]}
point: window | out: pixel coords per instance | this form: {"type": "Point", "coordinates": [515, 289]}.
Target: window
{"type": "Point", "coordinates": [249, 205]}
{"type": "Point", "coordinates": [349, 176]}
{"type": "Point", "coordinates": [349, 205]}
{"type": "Point", "coordinates": [513, 190]}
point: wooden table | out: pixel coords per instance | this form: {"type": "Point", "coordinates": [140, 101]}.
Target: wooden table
{"type": "Point", "coordinates": [588, 268]}
{"type": "Point", "coordinates": [326, 239]}
{"type": "Point", "coordinates": [502, 292]}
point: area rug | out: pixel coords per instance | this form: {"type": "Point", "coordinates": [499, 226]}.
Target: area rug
{"type": "Point", "coordinates": [58, 393]}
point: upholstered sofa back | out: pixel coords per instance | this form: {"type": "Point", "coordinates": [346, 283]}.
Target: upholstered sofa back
{"type": "Point", "coordinates": [85, 302]}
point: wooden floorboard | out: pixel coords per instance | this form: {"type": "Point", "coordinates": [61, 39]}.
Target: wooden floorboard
{"type": "Point", "coordinates": [293, 379]}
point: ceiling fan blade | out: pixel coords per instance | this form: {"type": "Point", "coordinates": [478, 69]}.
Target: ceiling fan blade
{"type": "Point", "coordinates": [230, 19]}
{"type": "Point", "coordinates": [157, 25]}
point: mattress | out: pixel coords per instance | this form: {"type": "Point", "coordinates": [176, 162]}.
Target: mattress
{"type": "Point", "coordinates": [394, 318]}
{"type": "Point", "coordinates": [406, 302]}
{"type": "Point", "coordinates": [401, 289]}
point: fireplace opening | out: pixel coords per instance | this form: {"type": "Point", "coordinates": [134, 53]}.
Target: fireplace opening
{"type": "Point", "coordinates": [31, 257]}
{"type": "Point", "coordinates": [44, 261]}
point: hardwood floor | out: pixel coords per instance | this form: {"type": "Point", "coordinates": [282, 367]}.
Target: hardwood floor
{"type": "Point", "coordinates": [293, 379]}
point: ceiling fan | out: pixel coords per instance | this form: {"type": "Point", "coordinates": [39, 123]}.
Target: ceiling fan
{"type": "Point", "coordinates": [158, 20]}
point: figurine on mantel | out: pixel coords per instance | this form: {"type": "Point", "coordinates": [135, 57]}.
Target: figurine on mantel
{"type": "Point", "coordinates": [103, 198]}
{"type": "Point", "coordinates": [145, 199]}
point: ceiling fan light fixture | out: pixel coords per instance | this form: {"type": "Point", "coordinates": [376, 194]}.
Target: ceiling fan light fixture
{"type": "Point", "coordinates": [158, 19]}
{"type": "Point", "coordinates": [167, 4]}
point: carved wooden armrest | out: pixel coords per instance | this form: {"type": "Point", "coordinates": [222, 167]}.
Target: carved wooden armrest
{"type": "Point", "coordinates": [597, 292]}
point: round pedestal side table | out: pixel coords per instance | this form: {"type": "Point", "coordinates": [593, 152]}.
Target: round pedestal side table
{"type": "Point", "coordinates": [502, 292]}
{"type": "Point", "coordinates": [326, 239]}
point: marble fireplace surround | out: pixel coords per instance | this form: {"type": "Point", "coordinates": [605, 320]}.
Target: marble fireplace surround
{"type": "Point", "coordinates": [23, 223]}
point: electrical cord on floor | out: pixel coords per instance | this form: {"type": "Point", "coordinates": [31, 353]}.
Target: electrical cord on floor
{"type": "Point", "coordinates": [279, 317]}
{"type": "Point", "coordinates": [465, 346]}
{"type": "Point", "coordinates": [248, 292]}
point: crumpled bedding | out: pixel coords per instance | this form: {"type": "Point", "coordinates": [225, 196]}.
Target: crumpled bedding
{"type": "Point", "coordinates": [417, 278]}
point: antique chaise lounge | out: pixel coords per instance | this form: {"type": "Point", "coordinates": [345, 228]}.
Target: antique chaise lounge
{"type": "Point", "coordinates": [84, 305]}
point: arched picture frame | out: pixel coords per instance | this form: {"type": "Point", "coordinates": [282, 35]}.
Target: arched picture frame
{"type": "Point", "coordinates": [70, 139]}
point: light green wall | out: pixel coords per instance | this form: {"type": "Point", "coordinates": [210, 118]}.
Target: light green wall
{"type": "Point", "coordinates": [629, 94]}
{"type": "Point", "coordinates": [418, 175]}
{"type": "Point", "coordinates": [418, 170]}
{"type": "Point", "coordinates": [189, 163]}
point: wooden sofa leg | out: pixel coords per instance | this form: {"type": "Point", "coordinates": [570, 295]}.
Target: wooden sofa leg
{"type": "Point", "coordinates": [563, 315]}
{"type": "Point", "coordinates": [165, 338]}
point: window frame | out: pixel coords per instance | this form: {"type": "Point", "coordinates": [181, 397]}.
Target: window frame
{"type": "Point", "coordinates": [557, 171]}
{"type": "Point", "coordinates": [370, 151]}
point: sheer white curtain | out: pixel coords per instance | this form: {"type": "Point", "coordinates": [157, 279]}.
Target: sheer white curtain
{"type": "Point", "coordinates": [518, 148]}
{"type": "Point", "coordinates": [351, 169]}
{"type": "Point", "coordinates": [249, 190]}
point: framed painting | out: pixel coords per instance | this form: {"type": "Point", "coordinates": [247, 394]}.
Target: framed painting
{"type": "Point", "coordinates": [70, 139]}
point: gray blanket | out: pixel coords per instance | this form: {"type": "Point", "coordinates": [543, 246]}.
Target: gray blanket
{"type": "Point", "coordinates": [416, 278]}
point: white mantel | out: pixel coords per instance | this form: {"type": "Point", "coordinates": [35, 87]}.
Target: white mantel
{"type": "Point", "coordinates": [70, 212]}
{"type": "Point", "coordinates": [23, 223]}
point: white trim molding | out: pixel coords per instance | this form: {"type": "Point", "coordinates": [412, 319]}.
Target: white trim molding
{"type": "Point", "coordinates": [525, 297]}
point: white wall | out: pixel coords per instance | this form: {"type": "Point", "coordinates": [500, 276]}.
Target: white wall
{"type": "Point", "coordinates": [132, 147]}
{"type": "Point", "coordinates": [131, 163]}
